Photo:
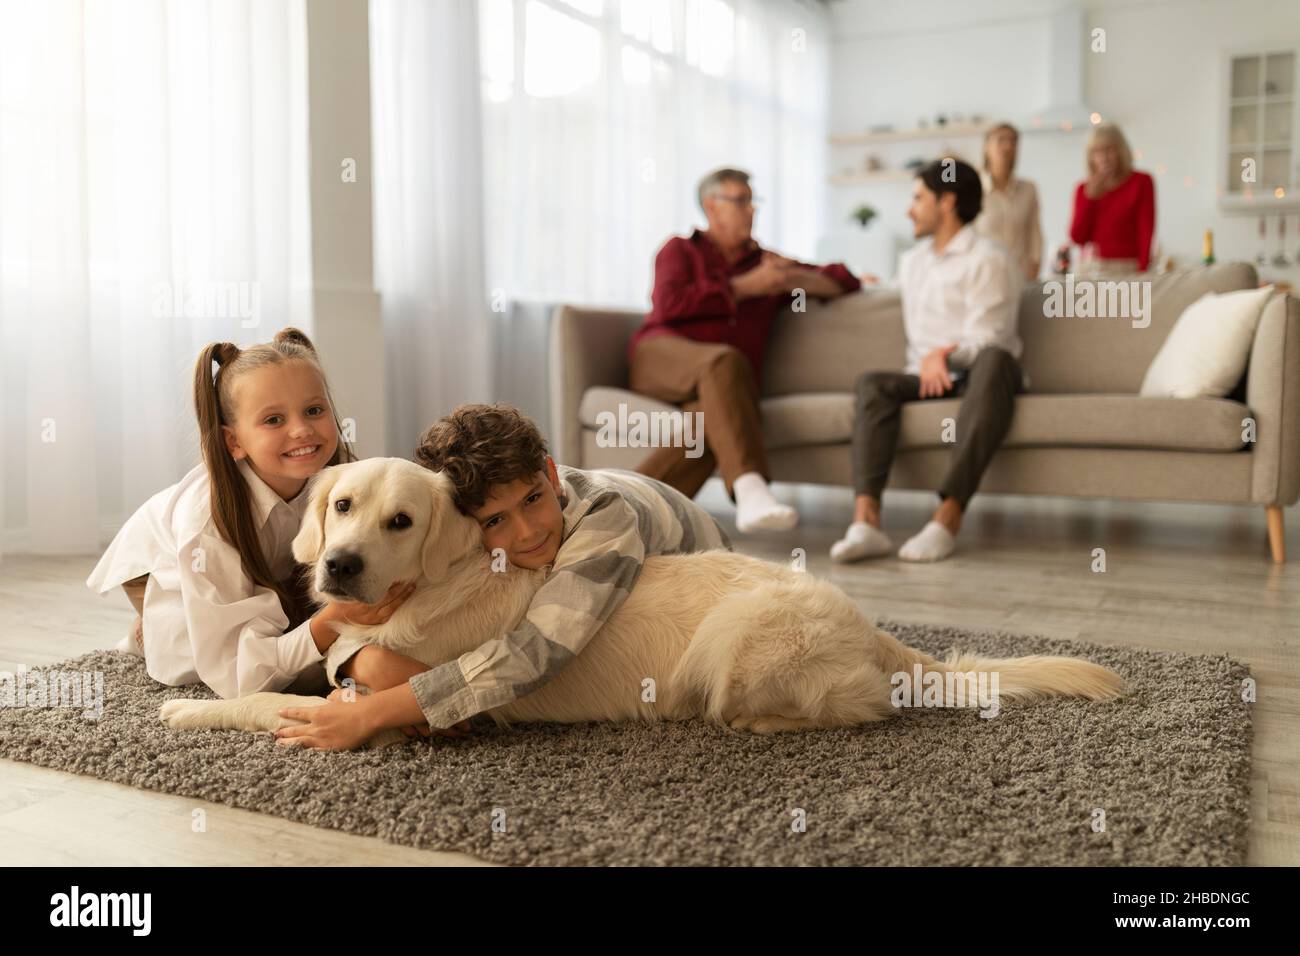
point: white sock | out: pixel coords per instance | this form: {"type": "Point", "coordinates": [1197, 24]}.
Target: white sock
{"type": "Point", "coordinates": [934, 542]}
{"type": "Point", "coordinates": [756, 509]}
{"type": "Point", "coordinates": [861, 541]}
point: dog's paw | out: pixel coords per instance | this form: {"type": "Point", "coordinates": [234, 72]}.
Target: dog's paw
{"type": "Point", "coordinates": [257, 712]}
{"type": "Point", "coordinates": [185, 714]}
{"type": "Point", "coordinates": [772, 724]}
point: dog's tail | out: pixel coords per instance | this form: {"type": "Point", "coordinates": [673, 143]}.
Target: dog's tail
{"type": "Point", "coordinates": [1011, 678]}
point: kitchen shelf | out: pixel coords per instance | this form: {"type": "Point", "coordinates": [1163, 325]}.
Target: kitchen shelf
{"type": "Point", "coordinates": [876, 176]}
{"type": "Point", "coordinates": [956, 130]}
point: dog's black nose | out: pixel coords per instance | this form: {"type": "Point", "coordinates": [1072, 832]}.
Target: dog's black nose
{"type": "Point", "coordinates": [344, 565]}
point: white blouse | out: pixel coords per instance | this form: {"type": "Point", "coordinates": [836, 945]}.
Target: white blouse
{"type": "Point", "coordinates": [1010, 216]}
{"type": "Point", "coordinates": [204, 618]}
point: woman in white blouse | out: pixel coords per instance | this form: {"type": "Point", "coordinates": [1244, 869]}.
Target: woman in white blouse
{"type": "Point", "coordinates": [208, 563]}
{"type": "Point", "coordinates": [1009, 214]}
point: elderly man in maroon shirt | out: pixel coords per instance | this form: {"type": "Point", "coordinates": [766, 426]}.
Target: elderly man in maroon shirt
{"type": "Point", "coordinates": [715, 297]}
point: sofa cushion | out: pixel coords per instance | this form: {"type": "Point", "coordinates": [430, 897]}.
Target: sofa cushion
{"type": "Point", "coordinates": [1205, 354]}
{"type": "Point", "coordinates": [1096, 421]}
{"type": "Point", "coordinates": [827, 347]}
{"type": "Point", "coordinates": [819, 418]}
{"type": "Point", "coordinates": [597, 400]}
{"type": "Point", "coordinates": [1068, 354]}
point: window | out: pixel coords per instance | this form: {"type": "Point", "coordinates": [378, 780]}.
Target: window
{"type": "Point", "coordinates": [1261, 149]}
{"type": "Point", "coordinates": [600, 116]}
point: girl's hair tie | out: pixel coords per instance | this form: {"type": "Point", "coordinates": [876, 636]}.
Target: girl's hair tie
{"type": "Point", "coordinates": [223, 353]}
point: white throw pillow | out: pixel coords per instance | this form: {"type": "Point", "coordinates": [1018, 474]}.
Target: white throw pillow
{"type": "Point", "coordinates": [1208, 347]}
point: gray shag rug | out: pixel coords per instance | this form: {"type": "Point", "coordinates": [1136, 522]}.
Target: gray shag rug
{"type": "Point", "coordinates": [1168, 766]}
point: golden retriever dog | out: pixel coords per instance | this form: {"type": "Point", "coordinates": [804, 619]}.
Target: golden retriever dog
{"type": "Point", "coordinates": [714, 635]}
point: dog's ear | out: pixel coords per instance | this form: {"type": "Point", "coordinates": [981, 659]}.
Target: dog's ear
{"type": "Point", "coordinates": [310, 540]}
{"type": "Point", "coordinates": [451, 534]}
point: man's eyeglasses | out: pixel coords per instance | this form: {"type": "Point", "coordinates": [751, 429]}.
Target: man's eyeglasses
{"type": "Point", "coordinates": [741, 201]}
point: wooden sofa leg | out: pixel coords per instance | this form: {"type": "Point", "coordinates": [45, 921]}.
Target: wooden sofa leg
{"type": "Point", "coordinates": [1276, 538]}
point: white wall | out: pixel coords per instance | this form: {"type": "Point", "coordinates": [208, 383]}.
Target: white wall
{"type": "Point", "coordinates": [1160, 79]}
{"type": "Point", "coordinates": [345, 316]}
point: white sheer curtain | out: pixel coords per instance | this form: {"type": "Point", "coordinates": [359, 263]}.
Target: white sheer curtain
{"type": "Point", "coordinates": [428, 210]}
{"type": "Point", "coordinates": [601, 116]}
{"type": "Point", "coordinates": [152, 199]}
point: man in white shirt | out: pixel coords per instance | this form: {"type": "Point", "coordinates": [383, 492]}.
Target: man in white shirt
{"type": "Point", "coordinates": [959, 295]}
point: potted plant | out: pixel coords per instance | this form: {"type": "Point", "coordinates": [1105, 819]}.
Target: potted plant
{"type": "Point", "coordinates": [863, 214]}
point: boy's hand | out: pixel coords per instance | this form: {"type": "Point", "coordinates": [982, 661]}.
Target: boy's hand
{"type": "Point", "coordinates": [331, 726]}
{"type": "Point", "coordinates": [339, 695]}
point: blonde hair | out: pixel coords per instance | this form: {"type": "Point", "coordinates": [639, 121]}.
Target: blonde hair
{"type": "Point", "coordinates": [1108, 133]}
{"type": "Point", "coordinates": [214, 406]}
{"type": "Point", "coordinates": [988, 138]}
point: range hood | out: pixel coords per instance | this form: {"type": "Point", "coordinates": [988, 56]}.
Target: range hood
{"type": "Point", "coordinates": [1063, 99]}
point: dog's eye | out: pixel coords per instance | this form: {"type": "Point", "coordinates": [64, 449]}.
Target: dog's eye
{"type": "Point", "coordinates": [343, 504]}
{"type": "Point", "coordinates": [399, 522]}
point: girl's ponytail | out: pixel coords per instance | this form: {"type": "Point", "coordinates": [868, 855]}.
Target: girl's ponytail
{"type": "Point", "coordinates": [230, 501]}
{"type": "Point", "coordinates": [296, 336]}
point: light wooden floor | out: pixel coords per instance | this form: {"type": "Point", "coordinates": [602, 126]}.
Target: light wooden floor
{"type": "Point", "coordinates": [1179, 577]}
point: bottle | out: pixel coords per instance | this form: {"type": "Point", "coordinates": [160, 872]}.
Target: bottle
{"type": "Point", "coordinates": [1062, 264]}
{"type": "Point", "coordinates": [1208, 257]}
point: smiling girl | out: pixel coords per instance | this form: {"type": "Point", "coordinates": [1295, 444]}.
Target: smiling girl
{"type": "Point", "coordinates": [208, 563]}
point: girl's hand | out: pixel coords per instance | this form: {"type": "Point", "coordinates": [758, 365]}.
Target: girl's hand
{"type": "Point", "coordinates": [331, 726]}
{"type": "Point", "coordinates": [367, 615]}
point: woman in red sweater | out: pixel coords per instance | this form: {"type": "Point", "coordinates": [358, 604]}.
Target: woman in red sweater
{"type": "Point", "coordinates": [1115, 207]}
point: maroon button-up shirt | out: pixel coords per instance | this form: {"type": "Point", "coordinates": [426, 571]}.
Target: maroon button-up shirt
{"type": "Point", "coordinates": [692, 297]}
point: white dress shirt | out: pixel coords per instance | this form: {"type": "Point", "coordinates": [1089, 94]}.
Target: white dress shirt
{"type": "Point", "coordinates": [1010, 216]}
{"type": "Point", "coordinates": [965, 295]}
{"type": "Point", "coordinates": [204, 618]}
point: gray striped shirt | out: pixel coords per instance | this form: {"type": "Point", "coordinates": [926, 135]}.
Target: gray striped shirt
{"type": "Point", "coordinates": [613, 520]}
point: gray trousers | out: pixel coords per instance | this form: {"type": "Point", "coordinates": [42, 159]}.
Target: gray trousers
{"type": "Point", "coordinates": [987, 389]}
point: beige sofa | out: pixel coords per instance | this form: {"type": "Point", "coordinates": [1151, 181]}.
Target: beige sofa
{"type": "Point", "coordinates": [1081, 431]}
